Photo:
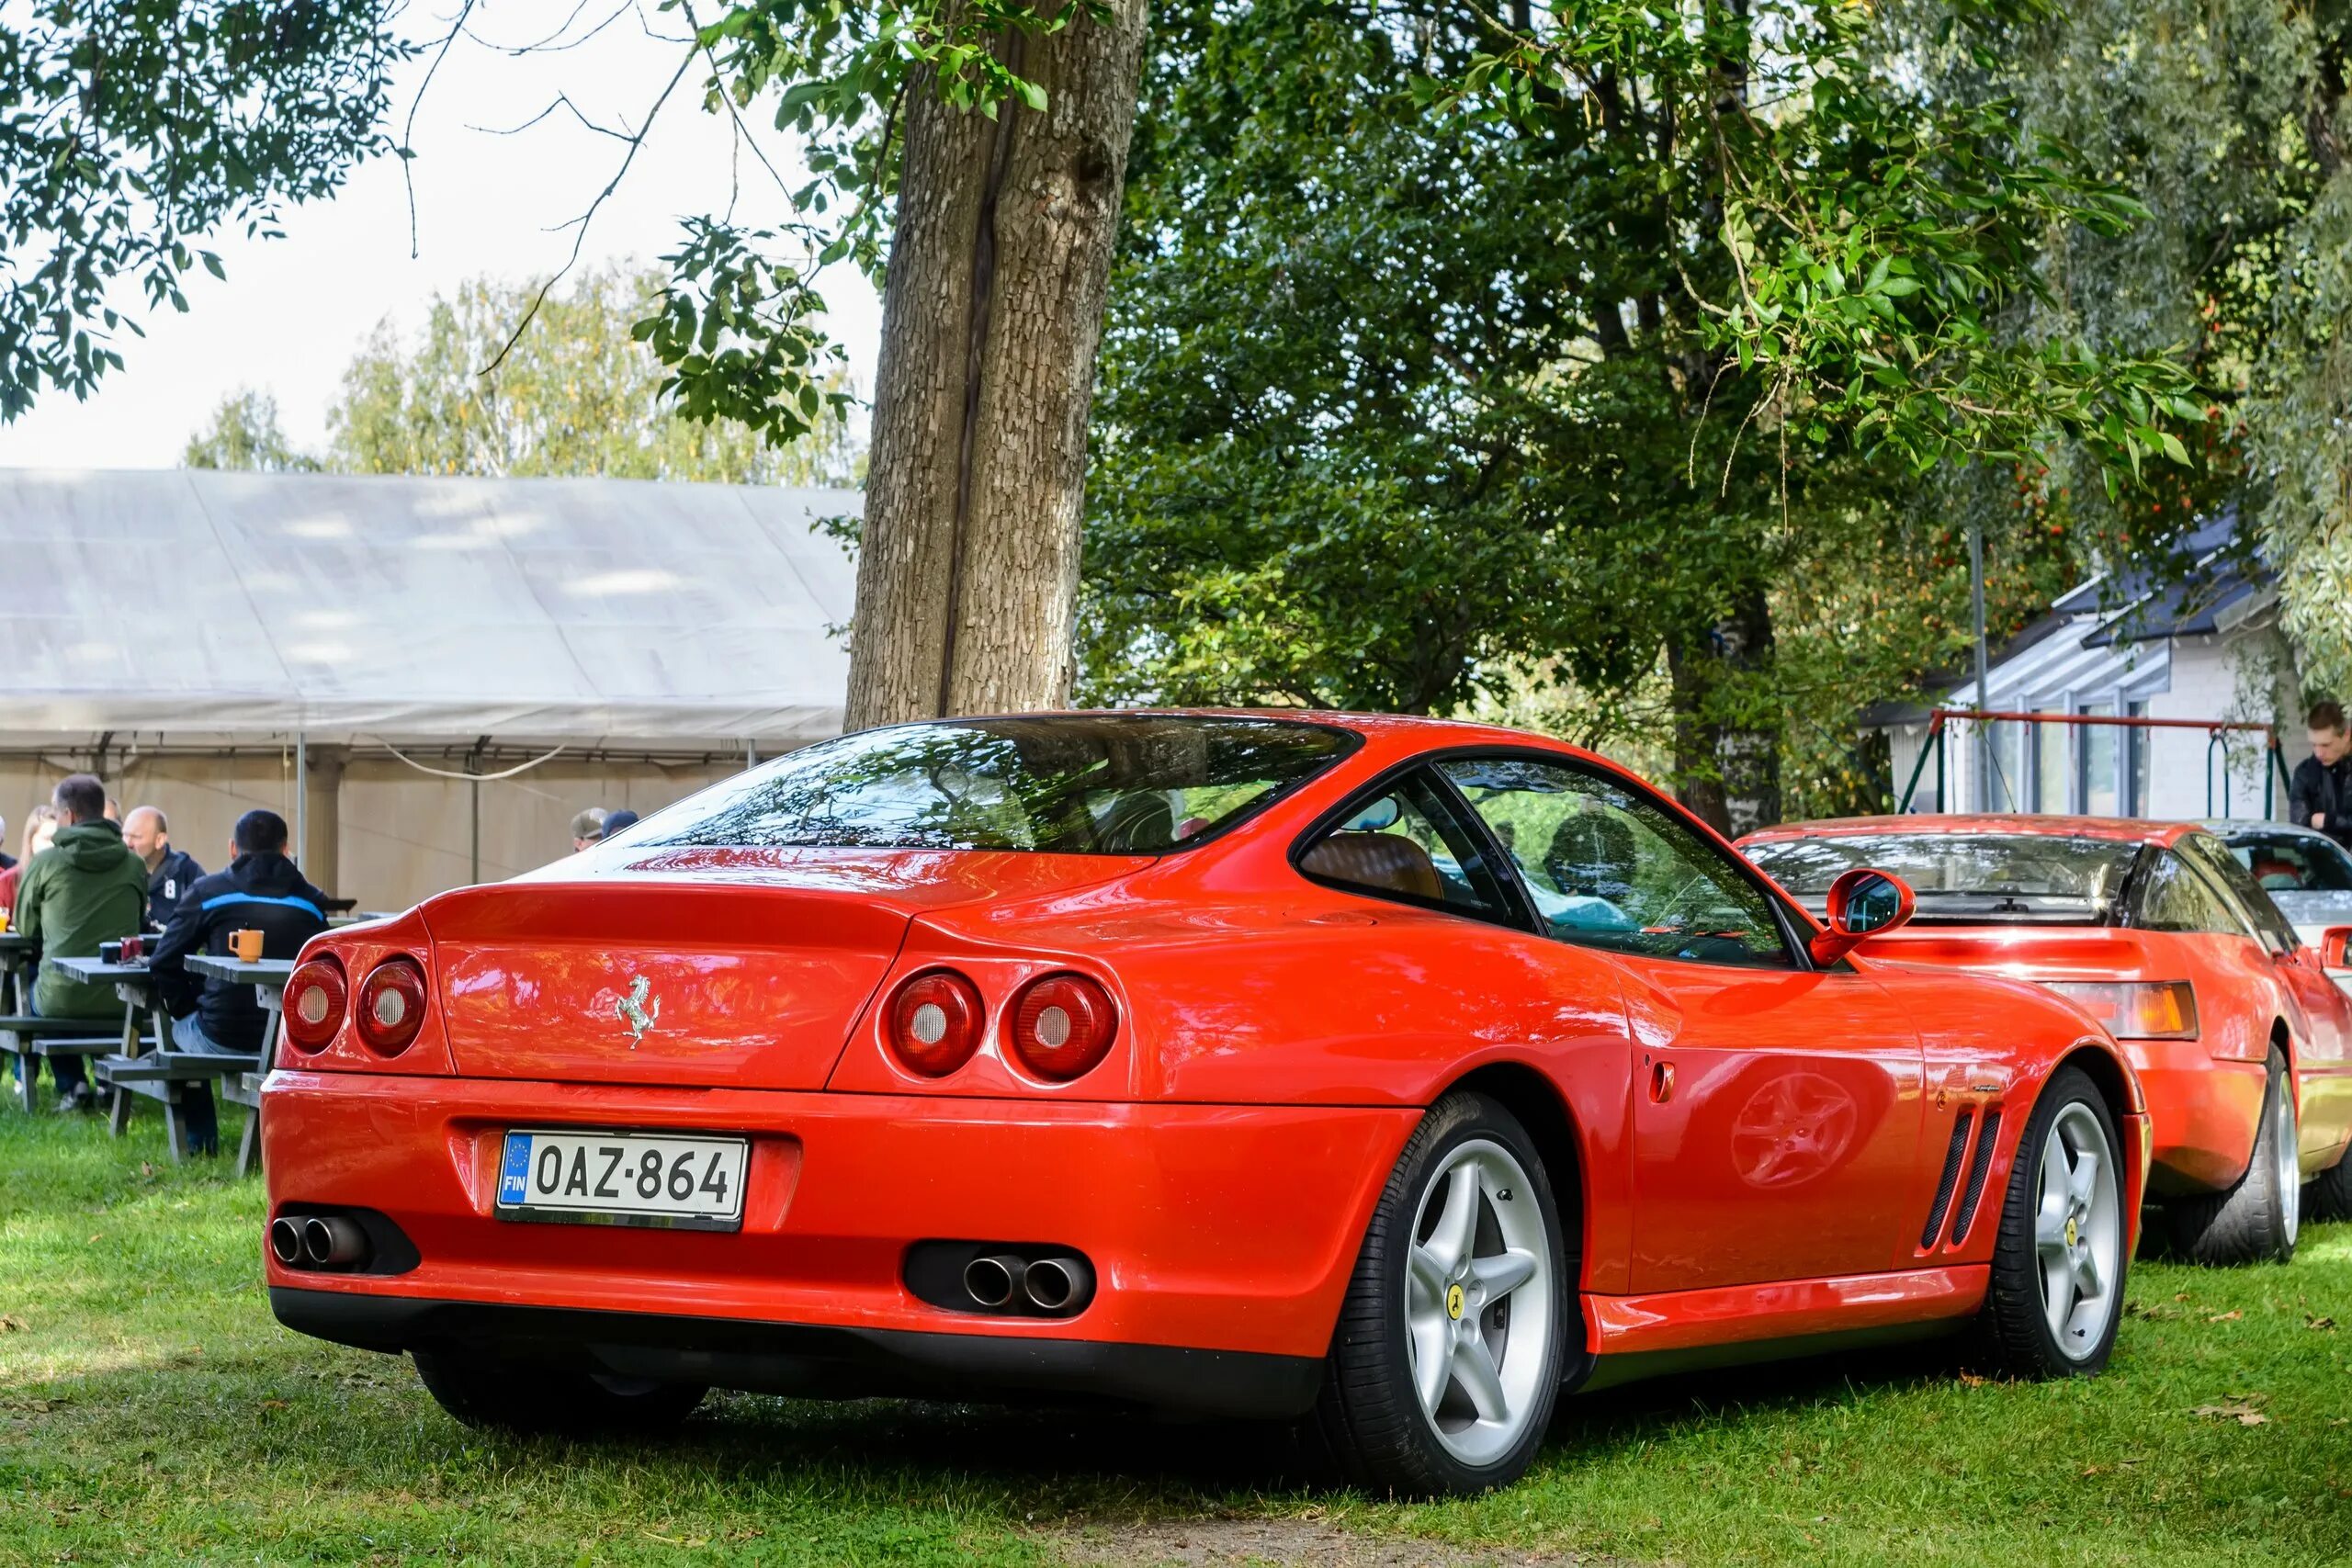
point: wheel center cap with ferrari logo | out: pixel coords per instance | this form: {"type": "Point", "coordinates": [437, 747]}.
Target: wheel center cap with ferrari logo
{"type": "Point", "coordinates": [2073, 1232]}
{"type": "Point", "coordinates": [1454, 1303]}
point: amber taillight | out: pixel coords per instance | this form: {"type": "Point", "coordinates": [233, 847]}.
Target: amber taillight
{"type": "Point", "coordinates": [935, 1023]}
{"type": "Point", "coordinates": [315, 993]}
{"type": "Point", "coordinates": [2136, 1010]}
{"type": "Point", "coordinates": [391, 1006]}
{"type": "Point", "coordinates": [1061, 1026]}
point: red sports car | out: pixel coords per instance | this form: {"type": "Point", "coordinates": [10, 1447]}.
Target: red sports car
{"type": "Point", "coordinates": [1389, 1075]}
{"type": "Point", "coordinates": [2240, 1034]}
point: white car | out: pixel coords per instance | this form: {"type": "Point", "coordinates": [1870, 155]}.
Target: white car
{"type": "Point", "coordinates": [2307, 873]}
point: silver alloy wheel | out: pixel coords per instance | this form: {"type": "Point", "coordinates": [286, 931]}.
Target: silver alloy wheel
{"type": "Point", "coordinates": [2290, 1171]}
{"type": "Point", "coordinates": [1478, 1302]}
{"type": "Point", "coordinates": [2078, 1232]}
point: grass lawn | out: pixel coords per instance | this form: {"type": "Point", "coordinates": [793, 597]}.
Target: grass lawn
{"type": "Point", "coordinates": [150, 1409]}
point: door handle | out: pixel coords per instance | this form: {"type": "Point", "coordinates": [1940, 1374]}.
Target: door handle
{"type": "Point", "coordinates": [1662, 1082]}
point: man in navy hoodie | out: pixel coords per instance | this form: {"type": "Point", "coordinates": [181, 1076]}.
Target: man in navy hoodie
{"type": "Point", "coordinates": [261, 890]}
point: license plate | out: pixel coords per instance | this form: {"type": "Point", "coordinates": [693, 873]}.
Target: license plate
{"type": "Point", "coordinates": [574, 1177]}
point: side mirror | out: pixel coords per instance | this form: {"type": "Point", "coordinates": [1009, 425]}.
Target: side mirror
{"type": "Point", "coordinates": [2331, 944]}
{"type": "Point", "coordinates": [1865, 903]}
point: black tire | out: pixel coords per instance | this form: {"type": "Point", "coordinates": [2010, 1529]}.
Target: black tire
{"type": "Point", "coordinates": [1369, 1419]}
{"type": "Point", "coordinates": [2255, 1221]}
{"type": "Point", "coordinates": [2328, 1195]}
{"type": "Point", "coordinates": [2016, 1337]}
{"type": "Point", "coordinates": [486, 1392]}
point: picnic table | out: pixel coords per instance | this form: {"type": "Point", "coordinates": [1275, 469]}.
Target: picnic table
{"type": "Point", "coordinates": [162, 1073]}
{"type": "Point", "coordinates": [267, 977]}
{"type": "Point", "coordinates": [17, 951]}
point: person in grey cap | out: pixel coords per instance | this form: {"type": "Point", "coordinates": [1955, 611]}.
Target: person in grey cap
{"type": "Point", "coordinates": [587, 828]}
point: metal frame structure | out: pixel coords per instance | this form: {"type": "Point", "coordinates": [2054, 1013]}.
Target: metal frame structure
{"type": "Point", "coordinates": [2216, 729]}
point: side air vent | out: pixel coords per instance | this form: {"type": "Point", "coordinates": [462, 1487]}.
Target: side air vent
{"type": "Point", "coordinates": [1977, 1170]}
{"type": "Point", "coordinates": [1950, 1179]}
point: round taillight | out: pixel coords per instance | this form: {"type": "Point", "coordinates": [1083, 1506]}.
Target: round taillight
{"type": "Point", "coordinates": [935, 1023]}
{"type": "Point", "coordinates": [391, 1005]}
{"type": "Point", "coordinates": [314, 998]}
{"type": "Point", "coordinates": [1062, 1026]}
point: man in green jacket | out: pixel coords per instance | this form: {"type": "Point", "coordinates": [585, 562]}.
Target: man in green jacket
{"type": "Point", "coordinates": [85, 888]}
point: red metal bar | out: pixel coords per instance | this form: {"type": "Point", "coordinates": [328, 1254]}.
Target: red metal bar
{"type": "Point", "coordinates": [1936, 718]}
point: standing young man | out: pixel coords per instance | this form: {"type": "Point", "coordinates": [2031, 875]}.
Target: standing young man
{"type": "Point", "coordinates": [84, 889]}
{"type": "Point", "coordinates": [2321, 794]}
{"type": "Point", "coordinates": [170, 872]}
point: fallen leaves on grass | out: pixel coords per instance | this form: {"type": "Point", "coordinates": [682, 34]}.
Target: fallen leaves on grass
{"type": "Point", "coordinates": [11, 1325]}
{"type": "Point", "coordinates": [2324, 1324]}
{"type": "Point", "coordinates": [2223, 1316]}
{"type": "Point", "coordinates": [2238, 1407]}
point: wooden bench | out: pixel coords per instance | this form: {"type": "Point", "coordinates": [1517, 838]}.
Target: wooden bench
{"type": "Point", "coordinates": [245, 1090]}
{"type": "Point", "coordinates": [27, 1040]}
{"type": "Point", "coordinates": [164, 1077]}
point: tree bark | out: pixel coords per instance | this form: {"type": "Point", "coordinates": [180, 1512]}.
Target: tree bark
{"type": "Point", "coordinates": [1726, 767]}
{"type": "Point", "coordinates": [991, 315]}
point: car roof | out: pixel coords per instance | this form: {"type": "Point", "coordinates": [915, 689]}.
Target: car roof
{"type": "Point", "coordinates": [2226, 826]}
{"type": "Point", "coordinates": [2114, 830]}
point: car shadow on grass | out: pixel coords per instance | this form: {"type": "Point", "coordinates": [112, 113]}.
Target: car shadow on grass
{"type": "Point", "coordinates": [1078, 1457]}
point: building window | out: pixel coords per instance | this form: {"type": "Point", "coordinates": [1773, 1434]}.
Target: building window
{"type": "Point", "coordinates": [2101, 778]}
{"type": "Point", "coordinates": [2008, 741]}
{"type": "Point", "coordinates": [2049, 769]}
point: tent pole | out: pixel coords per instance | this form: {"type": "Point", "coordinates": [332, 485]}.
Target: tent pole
{"type": "Point", "coordinates": [301, 799]}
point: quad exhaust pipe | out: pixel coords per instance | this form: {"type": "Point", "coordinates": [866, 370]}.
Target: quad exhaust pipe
{"type": "Point", "coordinates": [317, 1241]}
{"type": "Point", "coordinates": [991, 1279]}
{"type": "Point", "coordinates": [1057, 1284]}
{"type": "Point", "coordinates": [995, 1279]}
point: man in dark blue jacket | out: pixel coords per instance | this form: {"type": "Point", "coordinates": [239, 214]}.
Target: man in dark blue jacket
{"type": "Point", "coordinates": [261, 890]}
{"type": "Point", "coordinates": [170, 872]}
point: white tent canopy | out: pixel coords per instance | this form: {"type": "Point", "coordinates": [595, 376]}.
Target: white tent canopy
{"type": "Point", "coordinates": [180, 605]}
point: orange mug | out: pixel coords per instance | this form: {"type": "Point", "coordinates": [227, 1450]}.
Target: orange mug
{"type": "Point", "coordinates": [247, 946]}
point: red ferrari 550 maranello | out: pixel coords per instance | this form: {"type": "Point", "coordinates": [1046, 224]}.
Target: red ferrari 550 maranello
{"type": "Point", "coordinates": [2241, 1036]}
{"type": "Point", "coordinates": [1389, 1075]}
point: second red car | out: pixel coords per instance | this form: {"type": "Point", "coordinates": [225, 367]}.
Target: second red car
{"type": "Point", "coordinates": [2241, 1038]}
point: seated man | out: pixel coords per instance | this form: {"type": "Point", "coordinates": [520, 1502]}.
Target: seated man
{"type": "Point", "coordinates": [84, 889]}
{"type": "Point", "coordinates": [170, 872]}
{"type": "Point", "coordinates": [261, 890]}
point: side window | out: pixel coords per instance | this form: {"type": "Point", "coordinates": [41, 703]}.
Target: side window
{"type": "Point", "coordinates": [1606, 868]}
{"type": "Point", "coordinates": [1409, 843]}
{"type": "Point", "coordinates": [2173, 898]}
{"type": "Point", "coordinates": [2254, 905]}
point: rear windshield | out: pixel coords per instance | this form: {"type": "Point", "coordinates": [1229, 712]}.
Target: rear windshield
{"type": "Point", "coordinates": [1965, 876]}
{"type": "Point", "coordinates": [2289, 863]}
{"type": "Point", "coordinates": [1086, 783]}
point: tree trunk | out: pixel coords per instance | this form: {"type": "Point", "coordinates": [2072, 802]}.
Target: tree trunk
{"type": "Point", "coordinates": [1726, 761]}
{"type": "Point", "coordinates": [992, 314]}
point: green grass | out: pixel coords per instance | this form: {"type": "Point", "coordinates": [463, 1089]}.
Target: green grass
{"type": "Point", "coordinates": [150, 1409]}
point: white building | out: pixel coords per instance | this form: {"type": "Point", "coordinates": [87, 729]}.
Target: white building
{"type": "Point", "coordinates": [2208, 650]}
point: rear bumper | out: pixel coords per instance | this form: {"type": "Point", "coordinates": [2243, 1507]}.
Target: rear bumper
{"type": "Point", "coordinates": [1211, 1228]}
{"type": "Point", "coordinates": [2203, 1113]}
{"type": "Point", "coordinates": [814, 1362]}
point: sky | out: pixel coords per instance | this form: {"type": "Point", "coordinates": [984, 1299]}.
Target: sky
{"type": "Point", "coordinates": [292, 311]}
